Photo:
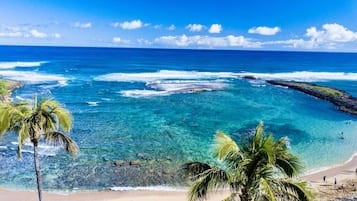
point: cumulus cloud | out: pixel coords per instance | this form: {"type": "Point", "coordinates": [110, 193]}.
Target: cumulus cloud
{"type": "Point", "coordinates": [195, 27]}
{"type": "Point", "coordinates": [171, 27]}
{"type": "Point", "coordinates": [329, 37]}
{"type": "Point", "coordinates": [129, 25]}
{"type": "Point", "coordinates": [85, 25]}
{"type": "Point", "coordinates": [118, 40]}
{"type": "Point", "coordinates": [37, 34]}
{"type": "Point", "coordinates": [215, 28]}
{"type": "Point", "coordinates": [263, 30]}
{"type": "Point", "coordinates": [207, 41]}
{"type": "Point", "coordinates": [25, 32]}
{"type": "Point", "coordinates": [331, 33]}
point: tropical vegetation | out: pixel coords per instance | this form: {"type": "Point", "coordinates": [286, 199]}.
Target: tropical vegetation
{"type": "Point", "coordinates": [44, 120]}
{"type": "Point", "coordinates": [259, 169]}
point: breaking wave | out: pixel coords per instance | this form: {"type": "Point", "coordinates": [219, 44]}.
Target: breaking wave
{"type": "Point", "coordinates": [8, 65]}
{"type": "Point", "coordinates": [167, 82]}
{"type": "Point", "coordinates": [303, 76]}
{"type": "Point", "coordinates": [165, 88]}
{"type": "Point", "coordinates": [30, 77]}
{"type": "Point", "coordinates": [163, 75]}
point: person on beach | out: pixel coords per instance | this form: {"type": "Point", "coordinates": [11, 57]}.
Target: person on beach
{"type": "Point", "coordinates": [335, 182]}
{"type": "Point", "coordinates": [324, 178]}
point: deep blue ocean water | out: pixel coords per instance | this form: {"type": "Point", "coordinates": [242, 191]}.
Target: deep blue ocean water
{"type": "Point", "coordinates": [127, 103]}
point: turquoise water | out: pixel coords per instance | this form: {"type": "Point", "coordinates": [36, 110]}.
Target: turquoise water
{"type": "Point", "coordinates": [138, 104]}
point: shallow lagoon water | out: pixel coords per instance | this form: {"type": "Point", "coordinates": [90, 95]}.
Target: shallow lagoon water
{"type": "Point", "coordinates": [165, 123]}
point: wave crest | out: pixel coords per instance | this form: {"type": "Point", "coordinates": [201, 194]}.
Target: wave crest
{"type": "Point", "coordinates": [33, 77]}
{"type": "Point", "coordinates": [163, 75]}
{"type": "Point", "coordinates": [8, 65]}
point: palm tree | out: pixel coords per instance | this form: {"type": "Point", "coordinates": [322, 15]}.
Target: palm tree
{"type": "Point", "coordinates": [42, 121]}
{"type": "Point", "coordinates": [261, 169]}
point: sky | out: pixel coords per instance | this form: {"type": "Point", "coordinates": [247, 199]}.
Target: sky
{"type": "Point", "coordinates": [289, 25]}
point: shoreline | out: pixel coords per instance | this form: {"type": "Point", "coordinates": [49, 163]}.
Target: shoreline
{"type": "Point", "coordinates": [345, 173]}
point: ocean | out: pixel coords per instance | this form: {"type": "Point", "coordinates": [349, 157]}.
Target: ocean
{"type": "Point", "coordinates": [163, 107]}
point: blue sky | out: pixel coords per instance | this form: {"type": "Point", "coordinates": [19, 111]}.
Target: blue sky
{"type": "Point", "coordinates": [303, 25]}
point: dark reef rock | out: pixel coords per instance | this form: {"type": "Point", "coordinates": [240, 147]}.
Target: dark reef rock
{"type": "Point", "coordinates": [344, 101]}
{"type": "Point", "coordinates": [249, 77]}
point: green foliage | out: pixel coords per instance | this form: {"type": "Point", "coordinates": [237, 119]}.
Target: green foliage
{"type": "Point", "coordinates": [262, 169]}
{"type": "Point", "coordinates": [324, 90]}
{"type": "Point", "coordinates": [44, 119]}
{"type": "Point", "coordinates": [4, 88]}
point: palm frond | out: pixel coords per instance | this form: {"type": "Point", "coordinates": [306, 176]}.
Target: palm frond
{"type": "Point", "coordinates": [225, 146]}
{"type": "Point", "coordinates": [192, 169]}
{"type": "Point", "coordinates": [257, 140]}
{"type": "Point", "coordinates": [299, 191]}
{"type": "Point", "coordinates": [269, 149]}
{"type": "Point", "coordinates": [61, 139]}
{"type": "Point", "coordinates": [265, 191]}
{"type": "Point", "coordinates": [211, 179]}
{"type": "Point", "coordinates": [4, 120]}
{"type": "Point", "coordinates": [52, 107]}
{"type": "Point", "coordinates": [23, 135]}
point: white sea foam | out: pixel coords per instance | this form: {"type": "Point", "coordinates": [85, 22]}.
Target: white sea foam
{"type": "Point", "coordinates": [167, 82]}
{"type": "Point", "coordinates": [305, 76]}
{"type": "Point", "coordinates": [43, 149]}
{"type": "Point", "coordinates": [8, 65]}
{"type": "Point", "coordinates": [3, 147]}
{"type": "Point", "coordinates": [136, 93]}
{"type": "Point", "coordinates": [147, 188]}
{"type": "Point", "coordinates": [168, 87]}
{"type": "Point", "coordinates": [33, 77]}
{"type": "Point", "coordinates": [92, 103]}
{"type": "Point", "coordinates": [185, 86]}
{"type": "Point", "coordinates": [163, 75]}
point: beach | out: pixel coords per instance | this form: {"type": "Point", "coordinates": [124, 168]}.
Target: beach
{"type": "Point", "coordinates": [326, 190]}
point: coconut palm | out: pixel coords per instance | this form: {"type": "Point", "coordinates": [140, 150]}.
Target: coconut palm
{"type": "Point", "coordinates": [261, 169]}
{"type": "Point", "coordinates": [44, 120]}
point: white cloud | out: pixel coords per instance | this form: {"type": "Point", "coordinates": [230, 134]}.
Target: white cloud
{"type": "Point", "coordinates": [171, 27]}
{"type": "Point", "coordinates": [331, 33]}
{"type": "Point", "coordinates": [85, 25]}
{"type": "Point", "coordinates": [215, 28]}
{"type": "Point", "coordinates": [37, 34]}
{"type": "Point", "coordinates": [118, 40]}
{"type": "Point", "coordinates": [207, 41]}
{"type": "Point", "coordinates": [158, 26]}
{"type": "Point", "coordinates": [142, 41]}
{"type": "Point", "coordinates": [330, 37]}
{"type": "Point", "coordinates": [134, 24]}
{"type": "Point", "coordinates": [11, 34]}
{"type": "Point", "coordinates": [263, 30]}
{"type": "Point", "coordinates": [195, 27]}
{"type": "Point", "coordinates": [57, 35]}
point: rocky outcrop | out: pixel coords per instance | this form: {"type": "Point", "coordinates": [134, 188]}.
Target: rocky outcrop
{"type": "Point", "coordinates": [10, 86]}
{"type": "Point", "coordinates": [344, 101]}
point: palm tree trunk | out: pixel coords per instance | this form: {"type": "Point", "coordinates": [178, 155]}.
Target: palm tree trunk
{"type": "Point", "coordinates": [37, 169]}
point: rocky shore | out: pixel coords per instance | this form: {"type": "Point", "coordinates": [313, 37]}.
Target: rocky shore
{"type": "Point", "coordinates": [344, 101]}
{"type": "Point", "coordinates": [6, 89]}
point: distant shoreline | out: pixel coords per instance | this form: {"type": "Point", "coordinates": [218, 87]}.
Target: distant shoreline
{"type": "Point", "coordinates": [10, 85]}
